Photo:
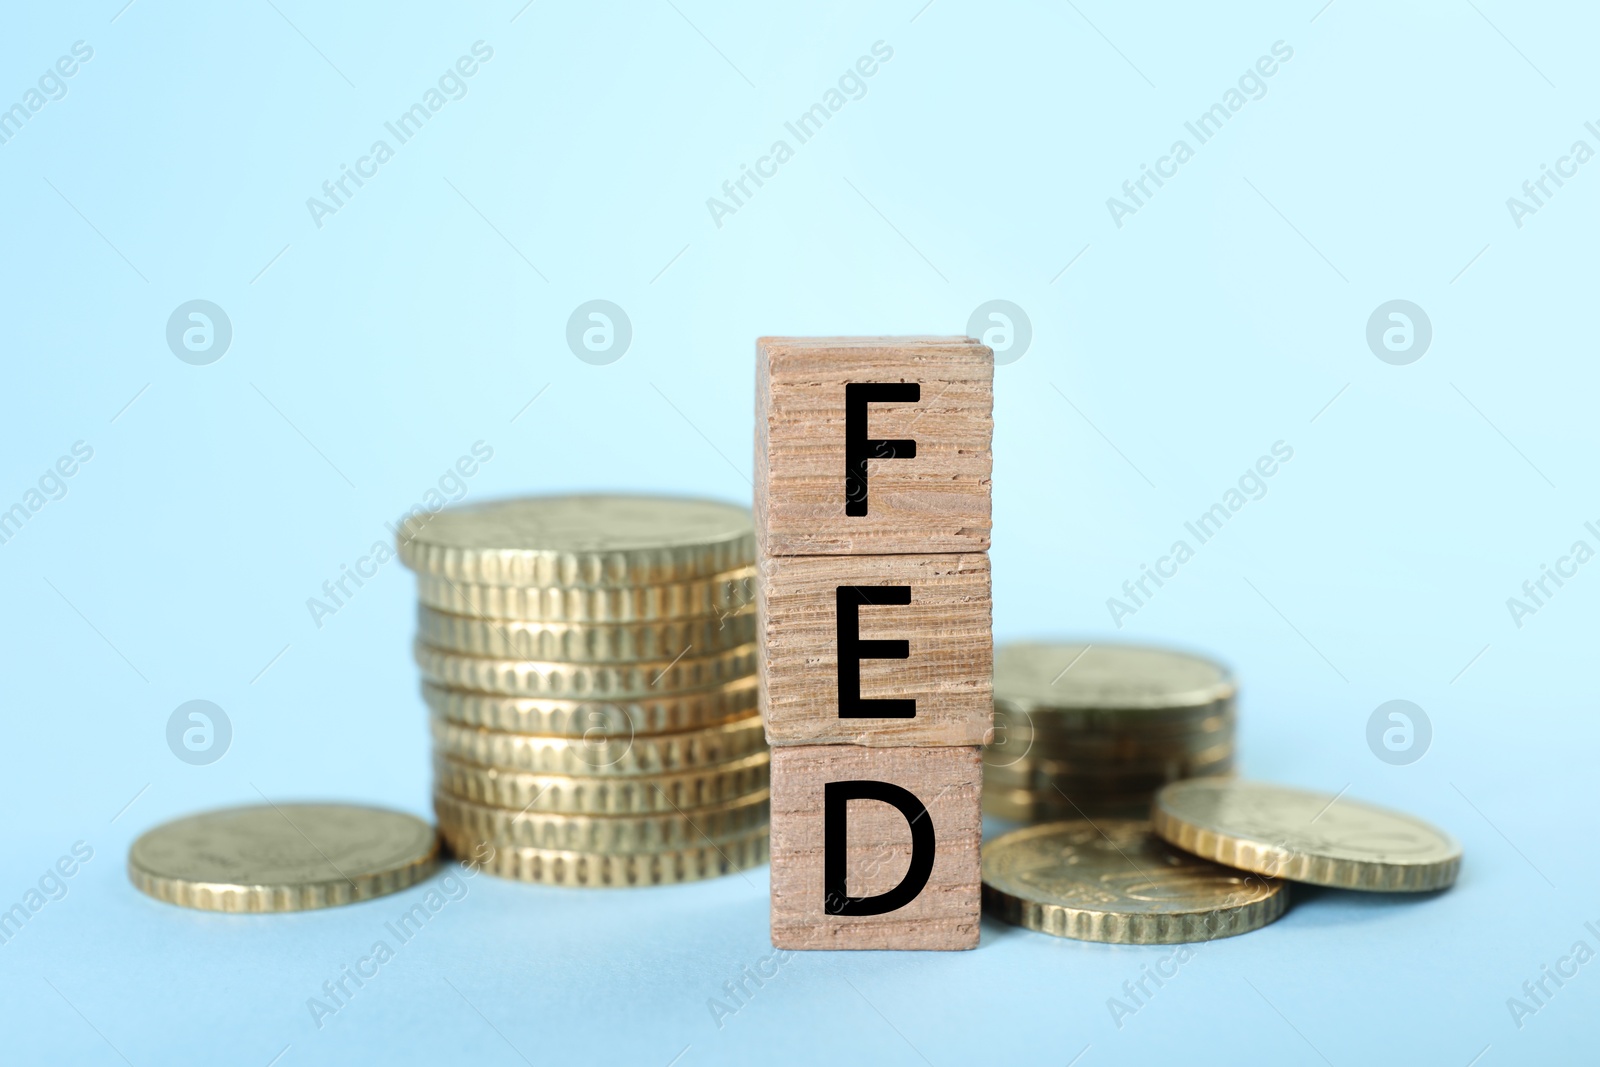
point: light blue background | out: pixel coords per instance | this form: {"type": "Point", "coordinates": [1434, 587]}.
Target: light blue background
{"type": "Point", "coordinates": [1227, 314]}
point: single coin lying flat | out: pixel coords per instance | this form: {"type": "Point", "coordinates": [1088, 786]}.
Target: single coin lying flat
{"type": "Point", "coordinates": [1057, 677]}
{"type": "Point", "coordinates": [1113, 880]}
{"type": "Point", "coordinates": [596, 540]}
{"type": "Point", "coordinates": [282, 857]}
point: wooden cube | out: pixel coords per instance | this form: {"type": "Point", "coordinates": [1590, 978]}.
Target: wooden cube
{"type": "Point", "coordinates": [876, 650]}
{"type": "Point", "coordinates": [869, 445]}
{"type": "Point", "coordinates": [875, 848]}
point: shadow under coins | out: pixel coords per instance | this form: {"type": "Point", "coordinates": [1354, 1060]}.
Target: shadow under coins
{"type": "Point", "coordinates": [1315, 905]}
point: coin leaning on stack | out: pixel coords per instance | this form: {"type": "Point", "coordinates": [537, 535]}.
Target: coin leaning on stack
{"type": "Point", "coordinates": [1093, 730]}
{"type": "Point", "coordinates": [589, 667]}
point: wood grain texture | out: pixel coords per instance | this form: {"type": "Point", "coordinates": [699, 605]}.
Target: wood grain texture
{"type": "Point", "coordinates": [937, 501]}
{"type": "Point", "coordinates": [944, 915]}
{"type": "Point", "coordinates": [946, 626]}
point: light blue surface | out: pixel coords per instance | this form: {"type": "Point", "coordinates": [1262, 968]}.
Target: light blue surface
{"type": "Point", "coordinates": [1227, 314]}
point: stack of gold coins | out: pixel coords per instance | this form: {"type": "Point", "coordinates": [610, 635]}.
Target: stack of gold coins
{"type": "Point", "coordinates": [589, 667]}
{"type": "Point", "coordinates": [1086, 729]}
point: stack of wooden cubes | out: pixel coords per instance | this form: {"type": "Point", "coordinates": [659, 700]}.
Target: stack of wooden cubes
{"type": "Point", "coordinates": [873, 460]}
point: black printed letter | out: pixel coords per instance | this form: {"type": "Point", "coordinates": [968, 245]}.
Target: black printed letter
{"type": "Point", "coordinates": [836, 847]}
{"type": "Point", "coordinates": [852, 650]}
{"type": "Point", "coordinates": [858, 447]}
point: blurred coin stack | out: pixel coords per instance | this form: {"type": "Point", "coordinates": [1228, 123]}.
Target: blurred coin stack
{"type": "Point", "coordinates": [588, 666]}
{"type": "Point", "coordinates": [1095, 730]}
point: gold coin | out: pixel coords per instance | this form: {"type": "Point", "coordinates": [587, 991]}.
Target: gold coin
{"type": "Point", "coordinates": [1045, 770]}
{"type": "Point", "coordinates": [1320, 838]}
{"type": "Point", "coordinates": [598, 754]}
{"type": "Point", "coordinates": [1106, 678]}
{"type": "Point", "coordinates": [582, 642]}
{"type": "Point", "coordinates": [595, 718]}
{"type": "Point", "coordinates": [590, 681]}
{"type": "Point", "coordinates": [1081, 789]}
{"type": "Point", "coordinates": [598, 869]}
{"type": "Point", "coordinates": [603, 795]}
{"type": "Point", "coordinates": [1115, 881]}
{"type": "Point", "coordinates": [611, 834]}
{"type": "Point", "coordinates": [579, 540]}
{"type": "Point", "coordinates": [282, 857]}
{"type": "Point", "coordinates": [1048, 727]}
{"type": "Point", "coordinates": [1105, 735]}
{"type": "Point", "coordinates": [1012, 747]}
{"type": "Point", "coordinates": [1033, 805]}
{"type": "Point", "coordinates": [728, 593]}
